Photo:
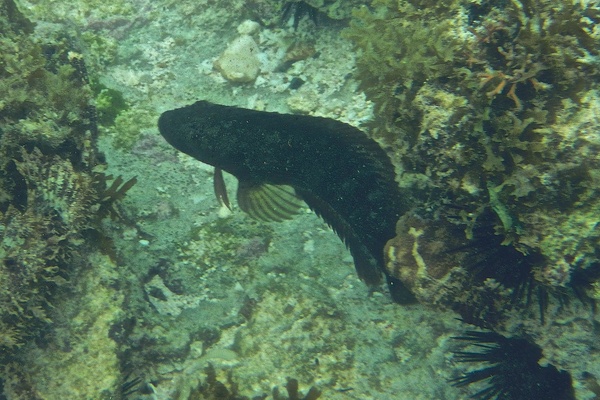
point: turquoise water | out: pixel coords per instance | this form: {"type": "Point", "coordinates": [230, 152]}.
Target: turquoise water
{"type": "Point", "coordinates": [155, 290]}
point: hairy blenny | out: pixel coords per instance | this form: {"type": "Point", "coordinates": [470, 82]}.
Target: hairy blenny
{"type": "Point", "coordinates": [344, 176]}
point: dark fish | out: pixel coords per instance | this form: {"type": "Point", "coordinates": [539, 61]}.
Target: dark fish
{"type": "Point", "coordinates": [343, 176]}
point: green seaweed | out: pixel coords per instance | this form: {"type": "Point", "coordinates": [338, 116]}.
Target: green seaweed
{"type": "Point", "coordinates": [490, 105]}
{"type": "Point", "coordinates": [401, 46]}
{"type": "Point", "coordinates": [53, 195]}
{"type": "Point", "coordinates": [109, 103]}
{"type": "Point", "coordinates": [128, 127]}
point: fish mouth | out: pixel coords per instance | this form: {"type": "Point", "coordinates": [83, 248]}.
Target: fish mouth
{"type": "Point", "coordinates": [165, 124]}
{"type": "Point", "coordinates": [169, 126]}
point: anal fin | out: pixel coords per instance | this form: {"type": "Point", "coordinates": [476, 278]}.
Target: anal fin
{"type": "Point", "coordinates": [367, 266]}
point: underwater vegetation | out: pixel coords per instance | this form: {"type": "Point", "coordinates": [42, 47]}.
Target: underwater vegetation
{"type": "Point", "coordinates": [213, 389]}
{"type": "Point", "coordinates": [53, 192]}
{"type": "Point", "coordinates": [489, 106]}
{"type": "Point", "coordinates": [489, 110]}
{"type": "Point", "coordinates": [46, 179]}
{"type": "Point", "coordinates": [109, 103]}
{"type": "Point", "coordinates": [492, 111]}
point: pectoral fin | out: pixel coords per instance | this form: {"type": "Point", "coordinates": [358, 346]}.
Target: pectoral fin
{"type": "Point", "coordinates": [268, 202]}
{"type": "Point", "coordinates": [220, 189]}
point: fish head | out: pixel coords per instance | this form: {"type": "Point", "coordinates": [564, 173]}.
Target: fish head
{"type": "Point", "coordinates": [201, 132]}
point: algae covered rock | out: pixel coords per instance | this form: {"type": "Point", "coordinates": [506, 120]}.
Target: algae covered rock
{"type": "Point", "coordinates": [53, 195]}
{"type": "Point", "coordinates": [47, 183]}
{"type": "Point", "coordinates": [490, 108]}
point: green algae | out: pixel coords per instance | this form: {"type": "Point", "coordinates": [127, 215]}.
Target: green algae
{"type": "Point", "coordinates": [52, 197]}
{"type": "Point", "coordinates": [129, 124]}
{"type": "Point", "coordinates": [109, 103]}
{"type": "Point", "coordinates": [400, 45]}
{"type": "Point", "coordinates": [507, 143]}
{"type": "Point", "coordinates": [451, 124]}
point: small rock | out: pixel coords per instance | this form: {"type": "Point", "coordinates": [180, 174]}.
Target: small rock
{"type": "Point", "coordinates": [248, 27]}
{"type": "Point", "coordinates": [303, 103]}
{"type": "Point", "coordinates": [239, 62]}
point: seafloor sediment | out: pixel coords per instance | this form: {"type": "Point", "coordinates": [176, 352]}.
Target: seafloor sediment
{"type": "Point", "coordinates": [488, 112]}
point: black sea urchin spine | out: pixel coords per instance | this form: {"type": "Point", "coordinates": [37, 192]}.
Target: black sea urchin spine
{"type": "Point", "coordinates": [512, 371]}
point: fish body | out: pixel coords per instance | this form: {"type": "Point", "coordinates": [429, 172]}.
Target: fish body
{"type": "Point", "coordinates": [342, 175]}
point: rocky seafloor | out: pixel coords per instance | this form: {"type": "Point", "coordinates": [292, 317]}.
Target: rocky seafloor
{"type": "Point", "coordinates": [169, 295]}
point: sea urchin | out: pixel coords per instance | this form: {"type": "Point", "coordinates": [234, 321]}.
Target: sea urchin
{"type": "Point", "coordinates": [513, 372]}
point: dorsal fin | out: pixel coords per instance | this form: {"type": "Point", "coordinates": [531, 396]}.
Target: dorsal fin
{"type": "Point", "coordinates": [268, 202]}
{"type": "Point", "coordinates": [361, 145]}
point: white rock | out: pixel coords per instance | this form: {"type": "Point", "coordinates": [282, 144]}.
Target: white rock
{"type": "Point", "coordinates": [239, 62]}
{"type": "Point", "coordinates": [248, 27]}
